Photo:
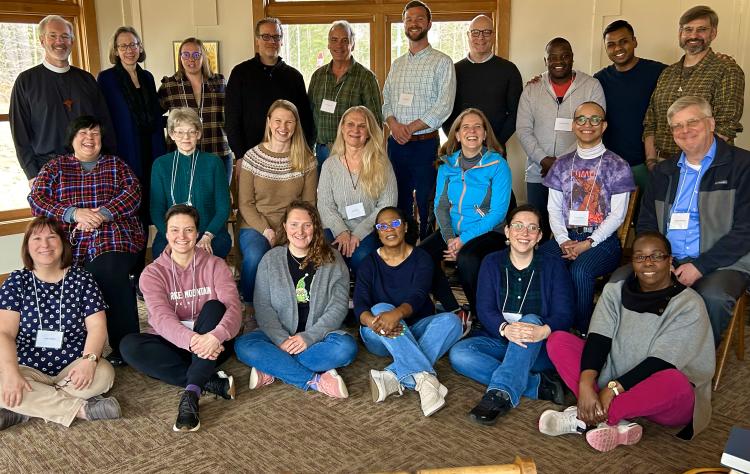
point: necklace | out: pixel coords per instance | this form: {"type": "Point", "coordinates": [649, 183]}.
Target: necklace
{"type": "Point", "coordinates": [298, 262]}
{"type": "Point", "coordinates": [351, 178]}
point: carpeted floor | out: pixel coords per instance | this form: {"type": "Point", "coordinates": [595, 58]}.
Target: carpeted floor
{"type": "Point", "coordinates": [282, 429]}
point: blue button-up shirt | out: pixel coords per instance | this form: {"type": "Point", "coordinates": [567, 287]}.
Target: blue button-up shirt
{"type": "Point", "coordinates": [686, 242]}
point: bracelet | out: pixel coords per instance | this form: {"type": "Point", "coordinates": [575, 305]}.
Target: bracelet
{"type": "Point", "coordinates": [502, 329]}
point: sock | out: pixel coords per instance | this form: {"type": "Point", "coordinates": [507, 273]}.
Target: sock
{"type": "Point", "coordinates": [194, 388]}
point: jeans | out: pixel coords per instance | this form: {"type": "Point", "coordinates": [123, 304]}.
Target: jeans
{"type": "Point", "coordinates": [420, 346]}
{"type": "Point", "coordinates": [365, 248]}
{"type": "Point", "coordinates": [503, 365]}
{"type": "Point", "coordinates": [256, 350]}
{"type": "Point", "coordinates": [253, 246]}
{"type": "Point", "coordinates": [221, 244]}
{"type": "Point", "coordinates": [321, 153]}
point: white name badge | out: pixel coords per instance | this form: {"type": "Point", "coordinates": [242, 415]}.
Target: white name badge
{"type": "Point", "coordinates": [49, 339]}
{"type": "Point", "coordinates": [405, 99]}
{"type": "Point", "coordinates": [512, 317]}
{"type": "Point", "coordinates": [679, 221]}
{"type": "Point", "coordinates": [328, 106]}
{"type": "Point", "coordinates": [188, 324]}
{"type": "Point", "coordinates": [563, 125]}
{"type": "Point", "coordinates": [578, 218]}
{"type": "Point", "coordinates": [355, 210]}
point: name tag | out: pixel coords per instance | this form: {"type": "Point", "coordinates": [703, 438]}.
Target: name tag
{"type": "Point", "coordinates": [49, 339]}
{"type": "Point", "coordinates": [405, 99]}
{"type": "Point", "coordinates": [328, 106]}
{"type": "Point", "coordinates": [563, 125]}
{"type": "Point", "coordinates": [512, 317]}
{"type": "Point", "coordinates": [355, 210]}
{"type": "Point", "coordinates": [188, 324]}
{"type": "Point", "coordinates": [578, 218]}
{"type": "Point", "coordinates": [679, 221]}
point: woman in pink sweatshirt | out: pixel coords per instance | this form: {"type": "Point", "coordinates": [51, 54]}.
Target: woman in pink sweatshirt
{"type": "Point", "coordinates": [194, 312]}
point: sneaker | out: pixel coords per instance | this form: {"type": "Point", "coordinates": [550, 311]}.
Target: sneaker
{"type": "Point", "coordinates": [492, 406]}
{"type": "Point", "coordinates": [222, 385]}
{"type": "Point", "coordinates": [330, 383]}
{"type": "Point", "coordinates": [606, 438]}
{"type": "Point", "coordinates": [116, 360]}
{"type": "Point", "coordinates": [431, 392]}
{"type": "Point", "coordinates": [187, 412]}
{"type": "Point", "coordinates": [466, 318]}
{"type": "Point", "coordinates": [556, 423]}
{"type": "Point", "coordinates": [384, 383]}
{"type": "Point", "coordinates": [100, 408]}
{"type": "Point", "coordinates": [9, 418]}
{"type": "Point", "coordinates": [551, 388]}
{"type": "Point", "coordinates": [260, 379]}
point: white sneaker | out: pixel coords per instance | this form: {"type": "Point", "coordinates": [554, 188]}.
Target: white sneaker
{"type": "Point", "coordinates": [556, 423]}
{"type": "Point", "coordinates": [431, 392]}
{"type": "Point", "coordinates": [384, 383]}
{"type": "Point", "coordinates": [606, 438]}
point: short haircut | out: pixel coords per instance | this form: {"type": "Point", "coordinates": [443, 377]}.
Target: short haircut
{"type": "Point", "coordinates": [345, 25]}
{"type": "Point", "coordinates": [618, 25]}
{"type": "Point", "coordinates": [113, 57]}
{"type": "Point", "coordinates": [687, 101]}
{"type": "Point", "coordinates": [205, 66]}
{"type": "Point", "coordinates": [654, 235]}
{"type": "Point", "coordinates": [558, 40]}
{"type": "Point", "coordinates": [183, 209]}
{"type": "Point", "coordinates": [36, 225]}
{"type": "Point", "coordinates": [523, 208]}
{"type": "Point", "coordinates": [415, 4]}
{"type": "Point", "coordinates": [184, 116]}
{"type": "Point", "coordinates": [411, 235]}
{"type": "Point", "coordinates": [49, 18]}
{"type": "Point", "coordinates": [593, 102]}
{"type": "Point", "coordinates": [83, 122]}
{"type": "Point", "coordinates": [266, 20]}
{"type": "Point", "coordinates": [700, 11]}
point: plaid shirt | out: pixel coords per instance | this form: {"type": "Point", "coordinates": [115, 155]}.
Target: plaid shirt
{"type": "Point", "coordinates": [175, 93]}
{"type": "Point", "coordinates": [720, 82]}
{"type": "Point", "coordinates": [111, 185]}
{"type": "Point", "coordinates": [357, 86]}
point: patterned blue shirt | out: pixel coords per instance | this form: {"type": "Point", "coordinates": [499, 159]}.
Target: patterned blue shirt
{"type": "Point", "coordinates": [429, 77]}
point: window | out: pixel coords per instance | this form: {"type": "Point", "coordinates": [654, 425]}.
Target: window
{"type": "Point", "coordinates": [446, 36]}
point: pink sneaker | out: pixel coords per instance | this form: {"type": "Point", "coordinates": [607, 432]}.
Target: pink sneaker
{"type": "Point", "coordinates": [260, 379]}
{"type": "Point", "coordinates": [606, 438]}
{"type": "Point", "coordinates": [330, 383]}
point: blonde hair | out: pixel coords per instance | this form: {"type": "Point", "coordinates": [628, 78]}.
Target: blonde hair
{"type": "Point", "coordinates": [300, 155]}
{"type": "Point", "coordinates": [372, 174]}
{"type": "Point", "coordinates": [490, 141]}
{"type": "Point", "coordinates": [183, 116]}
{"type": "Point", "coordinates": [205, 65]}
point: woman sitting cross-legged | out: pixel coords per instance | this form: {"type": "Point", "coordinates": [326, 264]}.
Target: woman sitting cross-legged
{"type": "Point", "coordinates": [301, 298]}
{"type": "Point", "coordinates": [522, 297]}
{"type": "Point", "coordinates": [52, 332]}
{"type": "Point", "coordinates": [194, 311]}
{"type": "Point", "coordinates": [392, 300]}
{"type": "Point", "coordinates": [649, 353]}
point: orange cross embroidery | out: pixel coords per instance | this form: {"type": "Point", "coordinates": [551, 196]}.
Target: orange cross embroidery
{"type": "Point", "coordinates": [68, 104]}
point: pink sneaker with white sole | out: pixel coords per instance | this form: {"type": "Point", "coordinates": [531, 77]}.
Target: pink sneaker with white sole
{"type": "Point", "coordinates": [606, 438]}
{"type": "Point", "coordinates": [260, 379]}
{"type": "Point", "coordinates": [330, 383]}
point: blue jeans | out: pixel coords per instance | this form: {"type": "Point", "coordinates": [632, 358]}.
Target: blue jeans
{"type": "Point", "coordinates": [321, 153]}
{"type": "Point", "coordinates": [221, 244]}
{"type": "Point", "coordinates": [365, 248]}
{"type": "Point", "coordinates": [256, 350]}
{"type": "Point", "coordinates": [253, 246]}
{"type": "Point", "coordinates": [420, 346]}
{"type": "Point", "coordinates": [503, 365]}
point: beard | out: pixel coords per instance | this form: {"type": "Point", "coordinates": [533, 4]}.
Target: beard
{"type": "Point", "coordinates": [695, 48]}
{"type": "Point", "coordinates": [416, 36]}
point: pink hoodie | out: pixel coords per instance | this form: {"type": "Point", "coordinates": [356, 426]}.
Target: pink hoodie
{"type": "Point", "coordinates": [175, 294]}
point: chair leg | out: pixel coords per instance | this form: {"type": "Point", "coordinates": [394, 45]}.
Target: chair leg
{"type": "Point", "coordinates": [727, 342]}
{"type": "Point", "coordinates": [741, 329]}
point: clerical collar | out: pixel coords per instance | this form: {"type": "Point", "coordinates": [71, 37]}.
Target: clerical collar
{"type": "Point", "coordinates": [59, 70]}
{"type": "Point", "coordinates": [468, 56]}
{"type": "Point", "coordinates": [594, 152]}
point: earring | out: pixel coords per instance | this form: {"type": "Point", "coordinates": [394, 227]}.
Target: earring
{"type": "Point", "coordinates": [507, 241]}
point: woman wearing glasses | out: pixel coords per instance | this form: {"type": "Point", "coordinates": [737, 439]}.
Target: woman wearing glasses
{"type": "Point", "coordinates": [589, 190]}
{"type": "Point", "coordinates": [649, 353]}
{"type": "Point", "coordinates": [522, 297]}
{"type": "Point", "coordinates": [194, 85]}
{"type": "Point", "coordinates": [189, 176]}
{"type": "Point", "coordinates": [397, 317]}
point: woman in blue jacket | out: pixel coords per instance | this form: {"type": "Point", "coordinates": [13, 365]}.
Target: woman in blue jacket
{"type": "Point", "coordinates": [471, 199]}
{"type": "Point", "coordinates": [522, 297]}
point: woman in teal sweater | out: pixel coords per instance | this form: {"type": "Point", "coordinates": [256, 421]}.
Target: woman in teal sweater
{"type": "Point", "coordinates": [189, 176]}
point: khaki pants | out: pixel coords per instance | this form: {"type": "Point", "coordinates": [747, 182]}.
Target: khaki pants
{"type": "Point", "coordinates": [55, 399]}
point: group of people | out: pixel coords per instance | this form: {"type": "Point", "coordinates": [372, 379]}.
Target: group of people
{"type": "Point", "coordinates": [359, 208]}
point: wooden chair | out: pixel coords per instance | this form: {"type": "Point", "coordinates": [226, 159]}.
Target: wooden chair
{"type": "Point", "coordinates": [736, 325]}
{"type": "Point", "coordinates": [624, 231]}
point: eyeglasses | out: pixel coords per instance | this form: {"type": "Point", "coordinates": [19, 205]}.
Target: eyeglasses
{"type": "Point", "coordinates": [383, 226]}
{"type": "Point", "coordinates": [187, 55]}
{"type": "Point", "coordinates": [128, 46]}
{"type": "Point", "coordinates": [520, 226]}
{"type": "Point", "coordinates": [654, 257]}
{"type": "Point", "coordinates": [594, 120]}
{"type": "Point", "coordinates": [689, 30]}
{"type": "Point", "coordinates": [478, 33]}
{"type": "Point", "coordinates": [267, 38]}
{"type": "Point", "coordinates": [691, 124]}
{"type": "Point", "coordinates": [63, 37]}
{"type": "Point", "coordinates": [185, 133]}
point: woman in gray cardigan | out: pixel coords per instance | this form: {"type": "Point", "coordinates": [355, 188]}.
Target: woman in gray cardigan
{"type": "Point", "coordinates": [301, 298]}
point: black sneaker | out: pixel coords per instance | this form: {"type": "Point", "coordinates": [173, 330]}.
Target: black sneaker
{"type": "Point", "coordinates": [9, 418]}
{"type": "Point", "coordinates": [116, 360]}
{"type": "Point", "coordinates": [222, 385]}
{"type": "Point", "coordinates": [492, 406]}
{"type": "Point", "coordinates": [187, 413]}
{"type": "Point", "coordinates": [551, 388]}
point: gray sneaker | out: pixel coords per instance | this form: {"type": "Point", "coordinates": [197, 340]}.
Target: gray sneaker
{"type": "Point", "coordinates": [100, 408]}
{"type": "Point", "coordinates": [431, 392]}
{"type": "Point", "coordinates": [384, 383]}
{"type": "Point", "coordinates": [9, 418]}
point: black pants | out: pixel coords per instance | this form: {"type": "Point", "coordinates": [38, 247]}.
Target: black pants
{"type": "Point", "coordinates": [467, 265]}
{"type": "Point", "coordinates": [111, 270]}
{"type": "Point", "coordinates": [158, 358]}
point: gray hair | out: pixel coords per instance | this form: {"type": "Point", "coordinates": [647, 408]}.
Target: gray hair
{"type": "Point", "coordinates": [183, 116]}
{"type": "Point", "coordinates": [688, 101]}
{"type": "Point", "coordinates": [345, 25]}
{"type": "Point", "coordinates": [49, 18]}
{"type": "Point", "coordinates": [268, 19]}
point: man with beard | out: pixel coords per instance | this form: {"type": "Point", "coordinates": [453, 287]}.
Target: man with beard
{"type": "Point", "coordinates": [698, 73]}
{"type": "Point", "coordinates": [417, 98]}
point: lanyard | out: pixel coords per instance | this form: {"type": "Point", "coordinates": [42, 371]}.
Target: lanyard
{"type": "Point", "coordinates": [572, 178]}
{"type": "Point", "coordinates": [192, 300]}
{"type": "Point", "coordinates": [59, 308]}
{"type": "Point", "coordinates": [325, 85]}
{"type": "Point", "coordinates": [682, 187]}
{"type": "Point", "coordinates": [507, 290]}
{"type": "Point", "coordinates": [351, 178]}
{"type": "Point", "coordinates": [175, 163]}
{"type": "Point", "coordinates": [184, 96]}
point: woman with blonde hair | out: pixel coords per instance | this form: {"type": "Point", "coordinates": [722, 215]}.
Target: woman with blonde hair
{"type": "Point", "coordinates": [356, 182]}
{"type": "Point", "coordinates": [273, 173]}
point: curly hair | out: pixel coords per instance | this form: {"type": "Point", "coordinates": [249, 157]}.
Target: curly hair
{"type": "Point", "coordinates": [319, 252]}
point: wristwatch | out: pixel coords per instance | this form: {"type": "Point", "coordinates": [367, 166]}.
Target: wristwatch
{"type": "Point", "coordinates": [612, 385]}
{"type": "Point", "coordinates": [593, 243]}
{"type": "Point", "coordinates": [92, 357]}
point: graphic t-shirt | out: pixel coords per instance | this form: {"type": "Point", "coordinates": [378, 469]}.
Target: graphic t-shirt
{"type": "Point", "coordinates": [302, 278]}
